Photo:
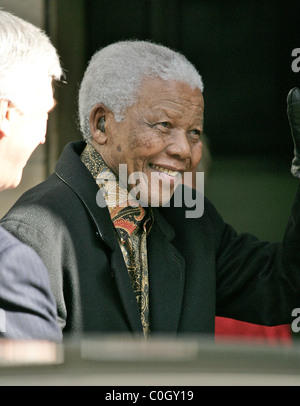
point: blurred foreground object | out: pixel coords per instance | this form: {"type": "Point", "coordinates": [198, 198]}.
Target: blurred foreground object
{"type": "Point", "coordinates": [30, 352]}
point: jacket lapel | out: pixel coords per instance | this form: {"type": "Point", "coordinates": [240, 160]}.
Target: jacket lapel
{"type": "Point", "coordinates": [127, 295]}
{"type": "Point", "coordinates": [166, 277]}
{"type": "Point", "coordinates": [119, 270]}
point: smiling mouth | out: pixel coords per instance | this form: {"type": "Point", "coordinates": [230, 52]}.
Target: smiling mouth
{"type": "Point", "coordinates": [165, 170]}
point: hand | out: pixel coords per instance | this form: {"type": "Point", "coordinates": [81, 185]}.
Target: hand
{"type": "Point", "coordinates": [293, 112]}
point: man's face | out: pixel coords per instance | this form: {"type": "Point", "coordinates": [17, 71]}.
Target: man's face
{"type": "Point", "coordinates": [26, 129]}
{"type": "Point", "coordinates": [159, 136]}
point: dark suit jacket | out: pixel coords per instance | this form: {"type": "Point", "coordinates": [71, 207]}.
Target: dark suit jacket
{"type": "Point", "coordinates": [197, 267]}
{"type": "Point", "coordinates": [28, 309]}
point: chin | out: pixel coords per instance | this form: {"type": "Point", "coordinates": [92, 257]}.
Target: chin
{"type": "Point", "coordinates": [17, 180]}
{"type": "Point", "coordinates": [10, 182]}
{"type": "Point", "coordinates": [158, 199]}
{"type": "Point", "coordinates": [154, 196]}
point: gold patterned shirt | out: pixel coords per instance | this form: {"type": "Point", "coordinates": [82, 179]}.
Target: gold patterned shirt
{"type": "Point", "coordinates": [132, 225]}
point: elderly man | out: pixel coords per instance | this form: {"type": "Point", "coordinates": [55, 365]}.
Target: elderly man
{"type": "Point", "coordinates": [29, 64]}
{"type": "Point", "coordinates": [123, 254]}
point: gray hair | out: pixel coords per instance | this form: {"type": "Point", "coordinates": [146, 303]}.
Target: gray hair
{"type": "Point", "coordinates": [115, 73]}
{"type": "Point", "coordinates": [26, 54]}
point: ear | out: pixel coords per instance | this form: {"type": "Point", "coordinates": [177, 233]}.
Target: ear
{"type": "Point", "coordinates": [98, 112]}
{"type": "Point", "coordinates": [4, 118]}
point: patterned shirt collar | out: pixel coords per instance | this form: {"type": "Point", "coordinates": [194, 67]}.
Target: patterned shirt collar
{"type": "Point", "coordinates": [127, 216]}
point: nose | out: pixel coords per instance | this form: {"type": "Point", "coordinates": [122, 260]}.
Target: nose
{"type": "Point", "coordinates": [179, 146]}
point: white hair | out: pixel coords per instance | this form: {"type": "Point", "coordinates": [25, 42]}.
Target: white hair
{"type": "Point", "coordinates": [115, 73]}
{"type": "Point", "coordinates": [26, 55]}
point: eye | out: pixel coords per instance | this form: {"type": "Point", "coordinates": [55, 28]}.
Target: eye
{"type": "Point", "coordinates": [164, 124]}
{"type": "Point", "coordinates": [195, 134]}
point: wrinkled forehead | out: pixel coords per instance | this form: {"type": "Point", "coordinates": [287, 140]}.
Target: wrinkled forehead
{"type": "Point", "coordinates": [176, 96]}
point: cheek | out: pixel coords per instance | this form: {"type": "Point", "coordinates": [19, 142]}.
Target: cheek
{"type": "Point", "coordinates": [40, 126]}
{"type": "Point", "coordinates": [35, 130]}
{"type": "Point", "coordinates": [196, 154]}
{"type": "Point", "coordinates": [145, 143]}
